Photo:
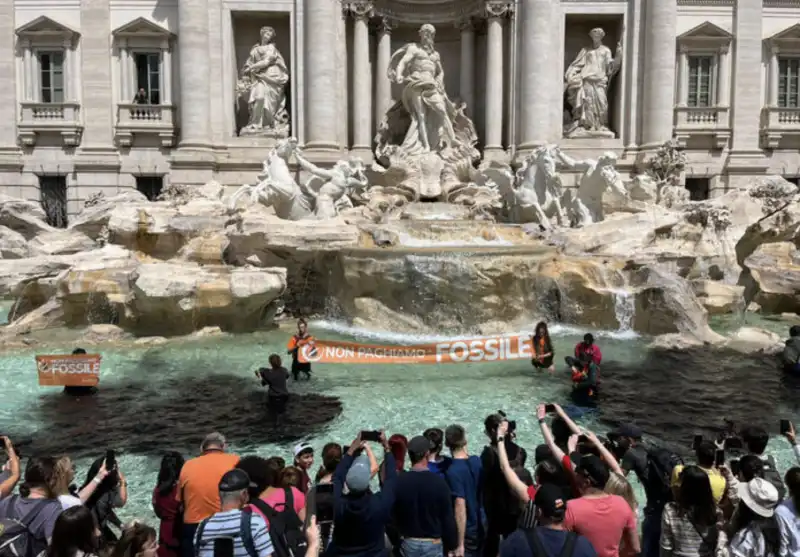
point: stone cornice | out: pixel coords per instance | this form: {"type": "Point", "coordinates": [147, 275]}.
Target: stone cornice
{"type": "Point", "coordinates": [782, 3]}
{"type": "Point", "coordinates": [429, 11]}
{"type": "Point", "coordinates": [706, 2]}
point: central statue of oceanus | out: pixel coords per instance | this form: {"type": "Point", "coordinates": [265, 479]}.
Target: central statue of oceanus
{"type": "Point", "coordinates": [425, 134]}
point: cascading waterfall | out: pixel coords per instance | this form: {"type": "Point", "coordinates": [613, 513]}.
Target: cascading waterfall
{"type": "Point", "coordinates": [624, 309]}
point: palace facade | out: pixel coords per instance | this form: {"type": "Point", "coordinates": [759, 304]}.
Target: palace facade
{"type": "Point", "coordinates": [102, 95]}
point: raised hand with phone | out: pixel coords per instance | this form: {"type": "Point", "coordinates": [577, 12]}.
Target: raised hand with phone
{"type": "Point", "coordinates": [11, 466]}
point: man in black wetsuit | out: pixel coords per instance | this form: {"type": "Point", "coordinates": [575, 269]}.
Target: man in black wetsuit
{"type": "Point", "coordinates": [78, 391]}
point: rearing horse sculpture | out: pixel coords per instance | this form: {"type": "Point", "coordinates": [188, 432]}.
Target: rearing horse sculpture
{"type": "Point", "coordinates": [538, 189]}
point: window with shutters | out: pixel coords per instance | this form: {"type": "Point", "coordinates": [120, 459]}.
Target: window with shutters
{"type": "Point", "coordinates": [788, 82]}
{"type": "Point", "coordinates": [701, 73]}
{"type": "Point", "coordinates": [51, 76]}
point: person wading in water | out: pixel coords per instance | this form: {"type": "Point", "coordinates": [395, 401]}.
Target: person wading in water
{"type": "Point", "coordinates": [295, 344]}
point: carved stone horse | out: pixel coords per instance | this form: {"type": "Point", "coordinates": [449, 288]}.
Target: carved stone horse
{"type": "Point", "coordinates": [277, 187]}
{"type": "Point", "coordinates": [538, 189]}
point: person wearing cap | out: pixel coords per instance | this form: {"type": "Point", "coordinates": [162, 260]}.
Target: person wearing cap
{"type": "Point", "coordinates": [247, 529]}
{"type": "Point", "coordinates": [754, 530]}
{"type": "Point", "coordinates": [423, 509]}
{"type": "Point", "coordinates": [628, 438]}
{"type": "Point", "coordinates": [588, 347]}
{"type": "Point", "coordinates": [604, 519]}
{"type": "Point", "coordinates": [304, 460]}
{"type": "Point", "coordinates": [550, 537]}
{"type": "Point", "coordinates": [198, 486]}
{"type": "Point", "coordinates": [360, 516]}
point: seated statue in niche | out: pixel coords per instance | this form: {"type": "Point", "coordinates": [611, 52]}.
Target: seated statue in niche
{"type": "Point", "coordinates": [586, 84]}
{"type": "Point", "coordinates": [264, 78]}
{"type": "Point", "coordinates": [425, 132]}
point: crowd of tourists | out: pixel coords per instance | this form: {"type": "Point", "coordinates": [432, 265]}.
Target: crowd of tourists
{"type": "Point", "coordinates": [427, 496]}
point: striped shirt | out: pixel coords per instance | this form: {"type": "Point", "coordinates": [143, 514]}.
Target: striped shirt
{"type": "Point", "coordinates": [227, 524]}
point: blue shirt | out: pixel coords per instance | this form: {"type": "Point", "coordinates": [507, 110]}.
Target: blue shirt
{"type": "Point", "coordinates": [465, 477]}
{"type": "Point", "coordinates": [423, 508]}
{"type": "Point", "coordinates": [516, 545]}
{"type": "Point", "coordinates": [440, 467]}
{"type": "Point", "coordinates": [227, 524]}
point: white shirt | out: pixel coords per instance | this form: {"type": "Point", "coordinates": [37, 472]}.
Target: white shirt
{"type": "Point", "coordinates": [69, 501]}
{"type": "Point", "coordinates": [789, 525]}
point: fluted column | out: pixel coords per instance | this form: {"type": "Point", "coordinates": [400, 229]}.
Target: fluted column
{"type": "Point", "coordinates": [773, 76]}
{"type": "Point", "coordinates": [496, 12]}
{"type": "Point", "coordinates": [658, 100]}
{"type": "Point", "coordinates": [194, 73]}
{"type": "Point", "coordinates": [534, 74]}
{"type": "Point", "coordinates": [322, 114]}
{"type": "Point", "coordinates": [746, 108]}
{"type": "Point", "coordinates": [361, 11]}
{"type": "Point", "coordinates": [467, 75]}
{"type": "Point", "coordinates": [723, 97]}
{"type": "Point", "coordinates": [383, 87]}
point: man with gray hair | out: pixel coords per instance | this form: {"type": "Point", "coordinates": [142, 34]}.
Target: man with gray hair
{"type": "Point", "coordinates": [244, 531]}
{"type": "Point", "coordinates": [198, 486]}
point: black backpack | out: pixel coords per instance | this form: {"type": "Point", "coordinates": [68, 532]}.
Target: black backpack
{"type": "Point", "coordinates": [285, 527]}
{"type": "Point", "coordinates": [772, 475]}
{"type": "Point", "coordinates": [658, 480]}
{"type": "Point", "coordinates": [245, 532]}
{"type": "Point", "coordinates": [16, 537]}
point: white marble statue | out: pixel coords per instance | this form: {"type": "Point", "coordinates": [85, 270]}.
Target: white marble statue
{"type": "Point", "coordinates": [424, 120]}
{"type": "Point", "coordinates": [539, 190]}
{"type": "Point", "coordinates": [598, 176]}
{"type": "Point", "coordinates": [264, 78]}
{"type": "Point", "coordinates": [330, 188]}
{"type": "Point", "coordinates": [586, 84]}
{"type": "Point", "coordinates": [321, 198]}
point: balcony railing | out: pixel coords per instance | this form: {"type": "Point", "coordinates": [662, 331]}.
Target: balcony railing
{"type": "Point", "coordinates": [781, 125]}
{"type": "Point", "coordinates": [143, 119]}
{"type": "Point", "coordinates": [40, 118]}
{"type": "Point", "coordinates": [703, 121]}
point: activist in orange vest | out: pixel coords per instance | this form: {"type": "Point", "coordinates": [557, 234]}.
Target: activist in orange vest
{"type": "Point", "coordinates": [295, 343]}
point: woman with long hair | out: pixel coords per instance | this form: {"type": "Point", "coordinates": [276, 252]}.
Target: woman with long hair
{"type": "Point", "coordinates": [137, 540]}
{"type": "Point", "coordinates": [111, 493]}
{"type": "Point", "coordinates": [398, 443]}
{"type": "Point", "coordinates": [788, 517]}
{"type": "Point", "coordinates": [166, 505]}
{"type": "Point", "coordinates": [322, 492]}
{"type": "Point", "coordinates": [689, 524]}
{"type": "Point", "coordinates": [75, 534]}
{"type": "Point", "coordinates": [753, 530]}
{"type": "Point", "coordinates": [543, 352]}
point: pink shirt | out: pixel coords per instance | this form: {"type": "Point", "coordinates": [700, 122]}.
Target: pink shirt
{"type": "Point", "coordinates": [277, 500]}
{"type": "Point", "coordinates": [602, 521]}
{"type": "Point", "coordinates": [593, 351]}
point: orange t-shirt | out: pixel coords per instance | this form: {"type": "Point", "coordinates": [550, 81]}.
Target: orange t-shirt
{"type": "Point", "coordinates": [199, 484]}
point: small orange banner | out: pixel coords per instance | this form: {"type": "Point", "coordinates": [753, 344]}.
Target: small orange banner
{"type": "Point", "coordinates": [71, 370]}
{"type": "Point", "coordinates": [486, 349]}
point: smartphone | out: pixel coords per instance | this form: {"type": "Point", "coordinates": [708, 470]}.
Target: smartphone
{"type": "Point", "coordinates": [719, 458]}
{"type": "Point", "coordinates": [223, 547]}
{"type": "Point", "coordinates": [697, 440]}
{"type": "Point", "coordinates": [583, 439]}
{"type": "Point", "coordinates": [372, 436]}
{"type": "Point", "coordinates": [323, 512]}
{"type": "Point", "coordinates": [549, 408]}
{"type": "Point", "coordinates": [111, 460]}
{"type": "Point", "coordinates": [735, 467]}
{"type": "Point", "coordinates": [786, 427]}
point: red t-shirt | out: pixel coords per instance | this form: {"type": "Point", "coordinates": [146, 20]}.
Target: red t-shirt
{"type": "Point", "coordinates": [593, 351]}
{"type": "Point", "coordinates": [602, 521]}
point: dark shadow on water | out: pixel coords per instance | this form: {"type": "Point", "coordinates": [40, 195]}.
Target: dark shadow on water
{"type": "Point", "coordinates": [677, 394]}
{"type": "Point", "coordinates": [137, 416]}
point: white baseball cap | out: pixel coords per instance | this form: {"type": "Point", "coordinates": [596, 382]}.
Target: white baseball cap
{"type": "Point", "coordinates": [301, 448]}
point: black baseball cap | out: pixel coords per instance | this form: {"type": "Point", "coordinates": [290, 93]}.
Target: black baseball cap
{"type": "Point", "coordinates": [419, 445]}
{"type": "Point", "coordinates": [235, 480]}
{"type": "Point", "coordinates": [594, 469]}
{"type": "Point", "coordinates": [550, 501]}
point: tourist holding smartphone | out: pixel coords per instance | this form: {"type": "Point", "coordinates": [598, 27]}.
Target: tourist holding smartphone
{"type": "Point", "coordinates": [11, 470]}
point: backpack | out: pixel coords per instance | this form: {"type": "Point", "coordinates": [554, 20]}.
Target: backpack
{"type": "Point", "coordinates": [772, 475]}
{"type": "Point", "coordinates": [16, 537]}
{"type": "Point", "coordinates": [285, 527]}
{"type": "Point", "coordinates": [245, 532]}
{"type": "Point", "coordinates": [538, 549]}
{"type": "Point", "coordinates": [658, 481]}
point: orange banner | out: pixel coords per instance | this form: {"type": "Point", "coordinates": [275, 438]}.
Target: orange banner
{"type": "Point", "coordinates": [70, 370]}
{"type": "Point", "coordinates": [486, 349]}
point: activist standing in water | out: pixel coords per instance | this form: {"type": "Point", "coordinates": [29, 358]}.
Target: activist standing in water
{"type": "Point", "coordinates": [543, 352]}
{"type": "Point", "coordinates": [295, 343]}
